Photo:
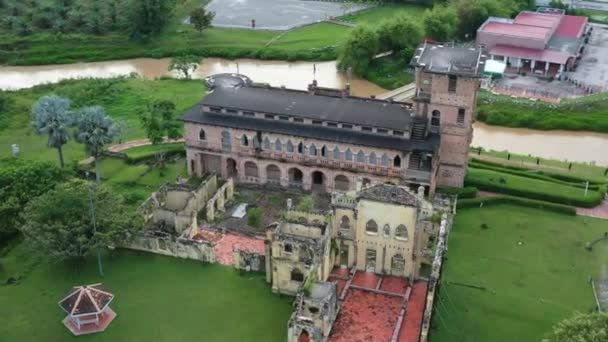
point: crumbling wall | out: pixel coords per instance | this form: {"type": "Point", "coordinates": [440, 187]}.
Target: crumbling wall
{"type": "Point", "coordinates": [179, 247]}
{"type": "Point", "coordinates": [218, 201]}
{"type": "Point", "coordinates": [249, 261]}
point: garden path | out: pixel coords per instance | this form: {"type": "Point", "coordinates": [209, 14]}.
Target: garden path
{"type": "Point", "coordinates": [127, 145]}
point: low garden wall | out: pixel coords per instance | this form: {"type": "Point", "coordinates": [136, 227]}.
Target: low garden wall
{"type": "Point", "coordinates": [179, 247]}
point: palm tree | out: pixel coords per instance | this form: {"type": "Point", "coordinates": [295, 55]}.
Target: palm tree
{"type": "Point", "coordinates": [95, 129]}
{"type": "Point", "coordinates": [51, 115]}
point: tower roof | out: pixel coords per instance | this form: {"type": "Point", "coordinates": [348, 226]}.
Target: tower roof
{"type": "Point", "coordinates": [389, 194]}
{"type": "Point", "coordinates": [449, 60]}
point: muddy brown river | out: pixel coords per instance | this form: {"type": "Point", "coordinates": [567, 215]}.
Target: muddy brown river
{"type": "Point", "coordinates": [563, 145]}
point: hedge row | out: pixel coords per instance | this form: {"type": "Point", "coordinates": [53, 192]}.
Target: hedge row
{"type": "Point", "coordinates": [535, 175]}
{"type": "Point", "coordinates": [593, 198]}
{"type": "Point", "coordinates": [144, 157]}
{"type": "Point", "coordinates": [466, 192]}
{"type": "Point", "coordinates": [479, 202]}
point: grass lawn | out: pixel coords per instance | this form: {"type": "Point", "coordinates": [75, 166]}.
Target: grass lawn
{"type": "Point", "coordinates": [123, 99]}
{"type": "Point", "coordinates": [158, 298]}
{"type": "Point", "coordinates": [528, 288]}
{"type": "Point", "coordinates": [320, 35]}
{"type": "Point", "coordinates": [377, 14]}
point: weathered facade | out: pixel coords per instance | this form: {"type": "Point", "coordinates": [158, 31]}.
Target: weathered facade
{"type": "Point", "coordinates": [325, 139]}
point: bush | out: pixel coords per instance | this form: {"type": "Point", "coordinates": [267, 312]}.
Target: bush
{"type": "Point", "coordinates": [305, 203]}
{"type": "Point", "coordinates": [146, 153]}
{"type": "Point", "coordinates": [490, 201]}
{"type": "Point", "coordinates": [466, 192]}
{"type": "Point", "coordinates": [254, 217]}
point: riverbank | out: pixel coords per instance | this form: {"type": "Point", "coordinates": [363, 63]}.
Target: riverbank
{"type": "Point", "coordinates": [589, 113]}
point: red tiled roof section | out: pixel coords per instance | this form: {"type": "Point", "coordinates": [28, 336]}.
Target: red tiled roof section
{"type": "Point", "coordinates": [538, 19]}
{"type": "Point", "coordinates": [571, 26]}
{"type": "Point", "coordinates": [517, 30]}
{"type": "Point", "coordinates": [411, 325]}
{"type": "Point", "coordinates": [88, 299]}
{"type": "Point", "coordinates": [394, 284]}
{"type": "Point", "coordinates": [366, 316]}
{"type": "Point", "coordinates": [224, 247]}
{"type": "Point", "coordinates": [366, 279]}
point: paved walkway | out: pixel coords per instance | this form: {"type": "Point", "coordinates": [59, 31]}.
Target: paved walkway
{"type": "Point", "coordinates": [127, 145]}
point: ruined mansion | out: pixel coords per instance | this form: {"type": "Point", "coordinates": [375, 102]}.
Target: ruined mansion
{"type": "Point", "coordinates": [325, 139]}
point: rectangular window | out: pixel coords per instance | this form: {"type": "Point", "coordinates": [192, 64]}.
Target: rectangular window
{"type": "Point", "coordinates": [366, 129]}
{"type": "Point", "coordinates": [347, 126]}
{"type": "Point", "coordinates": [399, 133]}
{"type": "Point", "coordinates": [300, 120]}
{"type": "Point", "coordinates": [284, 118]}
{"type": "Point", "coordinates": [231, 111]}
{"type": "Point", "coordinates": [246, 113]}
{"type": "Point", "coordinates": [461, 114]}
{"type": "Point", "coordinates": [332, 124]}
{"type": "Point", "coordinates": [317, 122]}
{"type": "Point", "coordinates": [269, 116]}
{"type": "Point", "coordinates": [382, 131]}
{"type": "Point", "coordinates": [452, 81]}
{"type": "Point", "coordinates": [215, 109]}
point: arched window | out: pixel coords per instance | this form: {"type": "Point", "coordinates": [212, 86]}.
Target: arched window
{"type": "Point", "coordinates": [372, 158]}
{"type": "Point", "coordinates": [385, 160]}
{"type": "Point", "coordinates": [401, 232]}
{"type": "Point", "coordinates": [337, 153]}
{"type": "Point", "coordinates": [297, 275]}
{"type": "Point", "coordinates": [436, 118]}
{"type": "Point", "coordinates": [244, 140]}
{"type": "Point", "coordinates": [386, 230]}
{"type": "Point", "coordinates": [266, 144]}
{"type": "Point", "coordinates": [397, 161]}
{"type": "Point", "coordinates": [289, 146]}
{"type": "Point", "coordinates": [278, 146]}
{"type": "Point", "coordinates": [226, 140]}
{"type": "Point", "coordinates": [323, 151]}
{"type": "Point", "coordinates": [361, 157]}
{"type": "Point", "coordinates": [300, 148]}
{"type": "Point", "coordinates": [313, 150]}
{"type": "Point", "coordinates": [348, 155]}
{"type": "Point", "coordinates": [371, 227]}
{"type": "Point", "coordinates": [251, 169]}
{"type": "Point", "coordinates": [201, 135]}
{"type": "Point", "coordinates": [345, 222]}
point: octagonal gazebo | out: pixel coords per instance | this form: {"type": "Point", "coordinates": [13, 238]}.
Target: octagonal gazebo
{"type": "Point", "coordinates": [88, 309]}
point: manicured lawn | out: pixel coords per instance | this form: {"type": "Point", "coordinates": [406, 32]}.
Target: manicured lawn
{"type": "Point", "coordinates": [123, 99]}
{"type": "Point", "coordinates": [528, 287]}
{"type": "Point", "coordinates": [321, 35]}
{"type": "Point", "coordinates": [377, 14]}
{"type": "Point", "coordinates": [157, 299]}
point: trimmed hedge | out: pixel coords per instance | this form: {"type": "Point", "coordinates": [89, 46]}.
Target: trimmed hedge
{"type": "Point", "coordinates": [489, 201]}
{"type": "Point", "coordinates": [146, 153]}
{"type": "Point", "coordinates": [466, 192]}
{"type": "Point", "coordinates": [523, 187]}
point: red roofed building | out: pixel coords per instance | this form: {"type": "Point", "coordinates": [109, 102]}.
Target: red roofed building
{"type": "Point", "coordinates": [542, 43]}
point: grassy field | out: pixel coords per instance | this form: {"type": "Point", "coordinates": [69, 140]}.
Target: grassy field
{"type": "Point", "coordinates": [377, 14]}
{"type": "Point", "coordinates": [123, 99]}
{"type": "Point", "coordinates": [527, 288]}
{"type": "Point", "coordinates": [583, 114]}
{"type": "Point", "coordinates": [157, 299]}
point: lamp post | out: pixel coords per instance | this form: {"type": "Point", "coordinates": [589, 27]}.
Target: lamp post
{"type": "Point", "coordinates": [92, 209]}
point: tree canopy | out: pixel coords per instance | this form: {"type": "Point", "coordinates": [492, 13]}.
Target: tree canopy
{"type": "Point", "coordinates": [51, 115]}
{"type": "Point", "coordinates": [358, 49]}
{"type": "Point", "coordinates": [185, 64]}
{"type": "Point", "coordinates": [160, 121]}
{"type": "Point", "coordinates": [59, 223]}
{"type": "Point", "coordinates": [201, 18]}
{"type": "Point", "coordinates": [20, 182]}
{"type": "Point", "coordinates": [581, 328]}
{"type": "Point", "coordinates": [149, 17]}
{"type": "Point", "coordinates": [440, 23]}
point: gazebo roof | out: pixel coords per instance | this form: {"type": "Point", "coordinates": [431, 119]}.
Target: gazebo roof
{"type": "Point", "coordinates": [86, 300]}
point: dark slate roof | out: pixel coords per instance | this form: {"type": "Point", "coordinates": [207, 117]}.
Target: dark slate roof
{"type": "Point", "coordinates": [341, 135]}
{"type": "Point", "coordinates": [82, 300]}
{"type": "Point", "coordinates": [449, 60]}
{"type": "Point", "coordinates": [389, 194]}
{"type": "Point", "coordinates": [354, 110]}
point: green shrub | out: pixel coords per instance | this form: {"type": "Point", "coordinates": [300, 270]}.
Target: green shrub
{"type": "Point", "coordinates": [144, 153]}
{"type": "Point", "coordinates": [466, 192]}
{"type": "Point", "coordinates": [490, 201]}
{"type": "Point", "coordinates": [305, 203]}
{"type": "Point", "coordinates": [254, 217]}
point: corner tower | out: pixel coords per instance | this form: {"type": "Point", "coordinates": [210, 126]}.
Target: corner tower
{"type": "Point", "coordinates": [447, 80]}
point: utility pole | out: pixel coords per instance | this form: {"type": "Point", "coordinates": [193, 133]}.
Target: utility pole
{"type": "Point", "coordinates": [92, 208]}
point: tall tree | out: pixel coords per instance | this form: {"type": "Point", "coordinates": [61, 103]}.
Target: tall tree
{"type": "Point", "coordinates": [358, 49]}
{"type": "Point", "coordinates": [51, 115]}
{"type": "Point", "coordinates": [149, 17]}
{"type": "Point", "coordinates": [581, 328]}
{"type": "Point", "coordinates": [160, 121]}
{"type": "Point", "coordinates": [185, 64]}
{"type": "Point", "coordinates": [440, 23]}
{"type": "Point", "coordinates": [201, 18]}
{"type": "Point", "coordinates": [95, 129]}
{"type": "Point", "coordinates": [398, 34]}
{"type": "Point", "coordinates": [59, 223]}
{"type": "Point", "coordinates": [20, 182]}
